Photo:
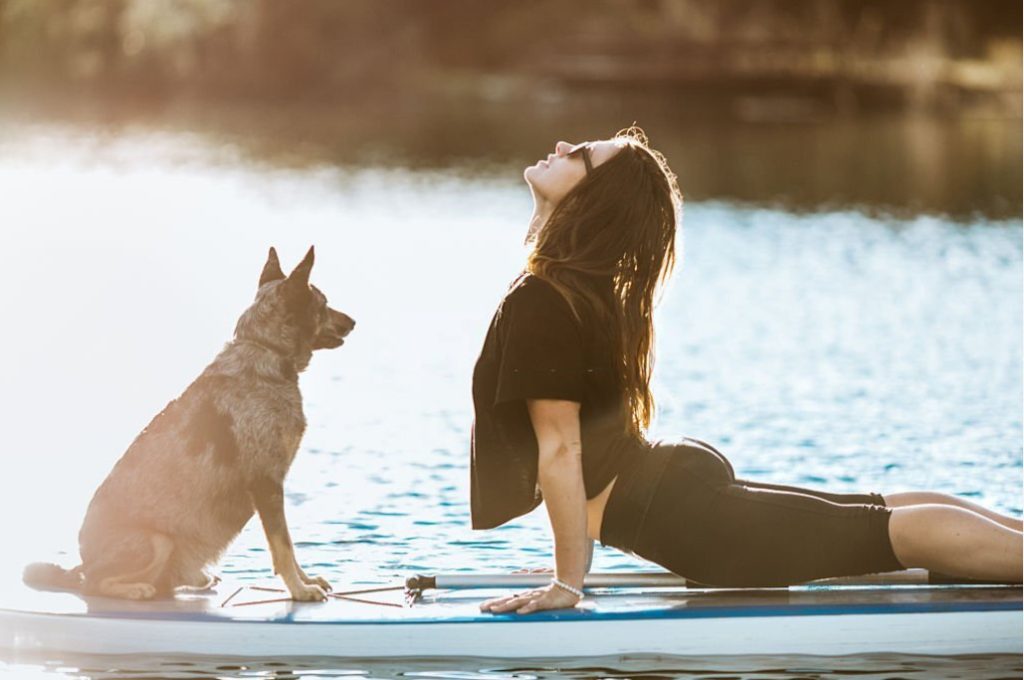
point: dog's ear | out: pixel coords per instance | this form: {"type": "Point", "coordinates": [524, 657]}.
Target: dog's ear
{"type": "Point", "coordinates": [300, 275]}
{"type": "Point", "coordinates": [272, 269]}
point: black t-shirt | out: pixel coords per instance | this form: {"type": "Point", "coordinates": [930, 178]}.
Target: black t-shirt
{"type": "Point", "coordinates": [536, 349]}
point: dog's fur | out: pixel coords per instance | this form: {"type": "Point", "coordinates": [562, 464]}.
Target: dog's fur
{"type": "Point", "coordinates": [220, 452]}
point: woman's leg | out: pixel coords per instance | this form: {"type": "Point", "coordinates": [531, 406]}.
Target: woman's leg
{"type": "Point", "coordinates": [956, 541]}
{"type": "Point", "coordinates": [722, 531]}
{"type": "Point", "coordinates": [935, 539]}
{"type": "Point", "coordinates": [898, 500]}
{"type": "Point", "coordinates": [903, 499]}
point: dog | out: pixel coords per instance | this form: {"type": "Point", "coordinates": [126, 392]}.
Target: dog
{"type": "Point", "coordinates": [211, 459]}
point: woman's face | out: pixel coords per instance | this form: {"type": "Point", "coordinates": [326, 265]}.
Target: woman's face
{"type": "Point", "coordinates": [553, 177]}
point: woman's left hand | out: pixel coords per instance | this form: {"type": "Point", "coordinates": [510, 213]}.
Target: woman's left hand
{"type": "Point", "coordinates": [549, 597]}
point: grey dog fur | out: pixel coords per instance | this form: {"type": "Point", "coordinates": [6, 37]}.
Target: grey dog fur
{"type": "Point", "coordinates": [212, 458]}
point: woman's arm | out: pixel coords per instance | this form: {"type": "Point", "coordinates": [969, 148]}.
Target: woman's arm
{"type": "Point", "coordinates": [560, 474]}
{"type": "Point", "coordinates": [556, 424]}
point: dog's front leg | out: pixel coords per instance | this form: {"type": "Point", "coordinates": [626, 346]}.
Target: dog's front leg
{"type": "Point", "coordinates": [268, 497]}
{"type": "Point", "coordinates": [306, 578]}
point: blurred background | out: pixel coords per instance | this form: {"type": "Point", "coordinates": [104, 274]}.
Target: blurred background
{"type": "Point", "coordinates": [846, 315]}
{"type": "Point", "coordinates": [911, 105]}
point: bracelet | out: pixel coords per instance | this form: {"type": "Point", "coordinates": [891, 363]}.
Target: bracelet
{"type": "Point", "coordinates": [566, 587]}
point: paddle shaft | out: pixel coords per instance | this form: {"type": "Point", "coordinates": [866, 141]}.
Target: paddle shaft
{"type": "Point", "coordinates": [655, 580]}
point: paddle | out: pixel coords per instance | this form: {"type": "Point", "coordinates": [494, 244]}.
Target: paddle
{"type": "Point", "coordinates": [664, 580]}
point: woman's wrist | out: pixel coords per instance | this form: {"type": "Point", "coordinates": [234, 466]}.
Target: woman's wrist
{"type": "Point", "coordinates": [562, 585]}
{"type": "Point", "coordinates": [569, 579]}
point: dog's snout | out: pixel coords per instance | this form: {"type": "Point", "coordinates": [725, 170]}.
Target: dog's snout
{"type": "Point", "coordinates": [344, 323]}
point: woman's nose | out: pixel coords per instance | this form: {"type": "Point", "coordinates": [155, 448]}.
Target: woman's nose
{"type": "Point", "coordinates": [562, 147]}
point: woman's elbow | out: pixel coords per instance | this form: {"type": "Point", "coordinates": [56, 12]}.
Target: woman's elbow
{"type": "Point", "coordinates": [560, 454]}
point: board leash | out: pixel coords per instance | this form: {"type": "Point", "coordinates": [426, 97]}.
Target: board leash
{"type": "Point", "coordinates": [348, 595]}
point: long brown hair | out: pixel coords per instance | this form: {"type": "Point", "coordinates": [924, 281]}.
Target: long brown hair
{"type": "Point", "coordinates": [608, 247]}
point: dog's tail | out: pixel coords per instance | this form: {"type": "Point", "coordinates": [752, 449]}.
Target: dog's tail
{"type": "Point", "coordinates": [48, 576]}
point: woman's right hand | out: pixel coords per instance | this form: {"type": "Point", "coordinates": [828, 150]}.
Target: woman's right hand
{"type": "Point", "coordinates": [530, 601]}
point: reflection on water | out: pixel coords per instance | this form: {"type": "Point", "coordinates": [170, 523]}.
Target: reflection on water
{"type": "Point", "coordinates": [906, 164]}
{"type": "Point", "coordinates": [868, 667]}
{"type": "Point", "coordinates": [832, 349]}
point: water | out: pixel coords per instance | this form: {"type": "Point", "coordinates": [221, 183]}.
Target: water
{"type": "Point", "coordinates": [834, 348]}
{"type": "Point", "coordinates": [865, 667]}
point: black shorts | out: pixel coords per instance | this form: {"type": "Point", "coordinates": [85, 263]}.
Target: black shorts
{"type": "Point", "coordinates": [681, 506]}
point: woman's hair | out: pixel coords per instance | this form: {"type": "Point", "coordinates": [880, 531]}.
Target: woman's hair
{"type": "Point", "coordinates": [608, 247]}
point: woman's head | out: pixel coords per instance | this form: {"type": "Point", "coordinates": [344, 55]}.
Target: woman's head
{"type": "Point", "coordinates": [607, 242]}
{"type": "Point", "coordinates": [608, 207]}
{"type": "Point", "coordinates": [552, 178]}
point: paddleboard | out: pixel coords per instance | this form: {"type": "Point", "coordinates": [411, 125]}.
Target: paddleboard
{"type": "Point", "coordinates": [243, 620]}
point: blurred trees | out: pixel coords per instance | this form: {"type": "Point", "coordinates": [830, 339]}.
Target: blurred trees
{"type": "Point", "coordinates": [913, 51]}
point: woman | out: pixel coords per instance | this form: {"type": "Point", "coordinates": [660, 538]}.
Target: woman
{"type": "Point", "coordinates": [562, 400]}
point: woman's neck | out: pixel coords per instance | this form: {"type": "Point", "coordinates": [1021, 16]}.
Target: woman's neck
{"type": "Point", "coordinates": [541, 213]}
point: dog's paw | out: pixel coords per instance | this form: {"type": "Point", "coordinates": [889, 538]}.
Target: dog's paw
{"type": "Point", "coordinates": [309, 592]}
{"type": "Point", "coordinates": [140, 591]}
{"type": "Point", "coordinates": [317, 581]}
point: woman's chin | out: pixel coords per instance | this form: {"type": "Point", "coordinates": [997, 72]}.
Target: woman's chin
{"type": "Point", "coordinates": [534, 176]}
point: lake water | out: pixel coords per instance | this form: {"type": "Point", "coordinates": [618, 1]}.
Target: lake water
{"type": "Point", "coordinates": [844, 349]}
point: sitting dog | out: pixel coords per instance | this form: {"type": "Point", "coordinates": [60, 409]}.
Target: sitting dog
{"type": "Point", "coordinates": [215, 455]}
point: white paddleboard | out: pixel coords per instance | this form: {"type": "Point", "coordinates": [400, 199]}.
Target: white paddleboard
{"type": "Point", "coordinates": [239, 621]}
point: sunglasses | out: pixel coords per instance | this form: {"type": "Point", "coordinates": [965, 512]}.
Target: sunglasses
{"type": "Point", "coordinates": [582, 149]}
